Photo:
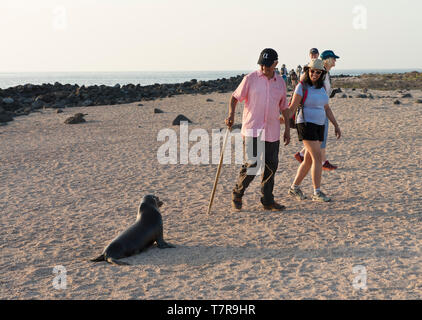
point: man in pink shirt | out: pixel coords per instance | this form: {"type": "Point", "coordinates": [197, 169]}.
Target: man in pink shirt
{"type": "Point", "coordinates": [264, 93]}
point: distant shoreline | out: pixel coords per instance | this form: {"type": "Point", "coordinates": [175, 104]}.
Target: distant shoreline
{"type": "Point", "coordinates": [24, 99]}
{"type": "Point", "coordinates": [144, 78]}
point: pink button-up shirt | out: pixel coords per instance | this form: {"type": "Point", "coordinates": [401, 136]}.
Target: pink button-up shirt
{"type": "Point", "coordinates": [264, 99]}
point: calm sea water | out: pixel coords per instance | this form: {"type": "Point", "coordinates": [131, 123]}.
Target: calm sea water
{"type": "Point", "coordinates": [142, 77]}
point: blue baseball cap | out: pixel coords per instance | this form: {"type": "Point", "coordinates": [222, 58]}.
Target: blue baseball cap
{"type": "Point", "coordinates": [328, 54]}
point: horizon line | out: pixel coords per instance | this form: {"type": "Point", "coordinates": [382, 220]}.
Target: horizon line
{"type": "Point", "coordinates": [103, 71]}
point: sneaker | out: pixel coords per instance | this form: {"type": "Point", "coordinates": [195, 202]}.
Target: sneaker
{"type": "Point", "coordinates": [321, 197]}
{"type": "Point", "coordinates": [297, 193]}
{"type": "Point", "coordinates": [327, 166]}
{"type": "Point", "coordinates": [299, 157]}
{"type": "Point", "coordinates": [237, 203]}
{"type": "Point", "coordinates": [274, 207]}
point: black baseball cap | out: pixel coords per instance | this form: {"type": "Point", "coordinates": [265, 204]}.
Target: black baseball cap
{"type": "Point", "coordinates": [314, 51]}
{"type": "Point", "coordinates": [267, 57]}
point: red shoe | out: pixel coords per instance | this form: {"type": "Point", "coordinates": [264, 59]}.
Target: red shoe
{"type": "Point", "coordinates": [327, 166]}
{"type": "Point", "coordinates": [298, 157]}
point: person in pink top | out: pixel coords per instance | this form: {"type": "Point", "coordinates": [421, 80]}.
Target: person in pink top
{"type": "Point", "coordinates": [264, 93]}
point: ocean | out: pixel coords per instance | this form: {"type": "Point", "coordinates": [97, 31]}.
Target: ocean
{"type": "Point", "coordinates": [142, 77]}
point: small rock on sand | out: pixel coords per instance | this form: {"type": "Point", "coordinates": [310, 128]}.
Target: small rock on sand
{"type": "Point", "coordinates": [77, 118]}
{"type": "Point", "coordinates": [180, 118]}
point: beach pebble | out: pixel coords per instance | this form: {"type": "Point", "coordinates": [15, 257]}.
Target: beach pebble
{"type": "Point", "coordinates": [156, 110]}
{"type": "Point", "coordinates": [59, 110]}
{"type": "Point", "coordinates": [344, 96]}
{"type": "Point", "coordinates": [210, 100]}
{"type": "Point", "coordinates": [362, 96]}
{"type": "Point", "coordinates": [140, 105]}
{"type": "Point", "coordinates": [179, 119]}
{"type": "Point", "coordinates": [397, 102]}
{"type": "Point", "coordinates": [419, 101]}
{"type": "Point", "coordinates": [407, 95]}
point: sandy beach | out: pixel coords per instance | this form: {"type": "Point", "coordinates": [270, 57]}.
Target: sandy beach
{"type": "Point", "coordinates": [68, 190]}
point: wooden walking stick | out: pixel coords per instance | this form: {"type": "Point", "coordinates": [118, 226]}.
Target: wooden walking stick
{"type": "Point", "coordinates": [218, 170]}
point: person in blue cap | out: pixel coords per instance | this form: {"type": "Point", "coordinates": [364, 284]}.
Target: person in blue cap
{"type": "Point", "coordinates": [329, 58]}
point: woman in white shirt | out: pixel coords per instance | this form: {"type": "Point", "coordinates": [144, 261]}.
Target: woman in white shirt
{"type": "Point", "coordinates": [310, 124]}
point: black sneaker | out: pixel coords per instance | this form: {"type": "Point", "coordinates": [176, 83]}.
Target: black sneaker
{"type": "Point", "coordinates": [237, 203]}
{"type": "Point", "coordinates": [274, 207]}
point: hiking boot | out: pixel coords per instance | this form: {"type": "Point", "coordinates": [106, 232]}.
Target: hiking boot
{"type": "Point", "coordinates": [299, 157]}
{"type": "Point", "coordinates": [297, 193]}
{"type": "Point", "coordinates": [327, 166]}
{"type": "Point", "coordinates": [274, 207]}
{"type": "Point", "coordinates": [320, 197]}
{"type": "Point", "coordinates": [237, 203]}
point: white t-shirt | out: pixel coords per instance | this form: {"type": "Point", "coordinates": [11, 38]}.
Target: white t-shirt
{"type": "Point", "coordinates": [327, 84]}
{"type": "Point", "coordinates": [314, 107]}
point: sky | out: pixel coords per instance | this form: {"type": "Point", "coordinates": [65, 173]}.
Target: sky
{"type": "Point", "coordinates": [186, 35]}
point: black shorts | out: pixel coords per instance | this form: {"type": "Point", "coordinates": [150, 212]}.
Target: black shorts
{"type": "Point", "coordinates": [310, 131]}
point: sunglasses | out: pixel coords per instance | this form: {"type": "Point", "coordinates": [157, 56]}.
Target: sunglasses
{"type": "Point", "coordinates": [318, 72]}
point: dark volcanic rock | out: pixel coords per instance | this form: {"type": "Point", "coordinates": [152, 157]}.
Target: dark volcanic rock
{"type": "Point", "coordinates": [38, 104]}
{"type": "Point", "coordinates": [179, 119]}
{"type": "Point", "coordinates": [59, 111]}
{"type": "Point", "coordinates": [87, 102]}
{"type": "Point", "coordinates": [362, 96]}
{"type": "Point", "coordinates": [334, 92]}
{"type": "Point", "coordinates": [344, 96]}
{"type": "Point", "coordinates": [156, 110]}
{"type": "Point", "coordinates": [5, 117]}
{"type": "Point", "coordinates": [16, 99]}
{"type": "Point", "coordinates": [407, 95]}
{"type": "Point", "coordinates": [397, 102]}
{"type": "Point", "coordinates": [210, 100]}
{"type": "Point", "coordinates": [419, 101]}
{"type": "Point", "coordinates": [8, 100]}
{"type": "Point", "coordinates": [77, 118]}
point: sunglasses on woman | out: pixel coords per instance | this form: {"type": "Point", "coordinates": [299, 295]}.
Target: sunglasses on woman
{"type": "Point", "coordinates": [318, 72]}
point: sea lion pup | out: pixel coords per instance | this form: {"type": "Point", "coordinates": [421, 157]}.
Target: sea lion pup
{"type": "Point", "coordinates": [147, 229]}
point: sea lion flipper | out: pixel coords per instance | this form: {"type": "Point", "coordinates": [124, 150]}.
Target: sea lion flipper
{"type": "Point", "coordinates": [99, 258]}
{"type": "Point", "coordinates": [115, 261]}
{"type": "Point", "coordinates": [161, 244]}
